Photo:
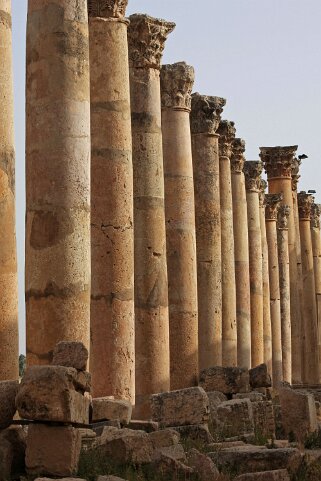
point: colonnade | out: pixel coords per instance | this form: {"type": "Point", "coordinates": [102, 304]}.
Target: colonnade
{"type": "Point", "coordinates": [149, 237]}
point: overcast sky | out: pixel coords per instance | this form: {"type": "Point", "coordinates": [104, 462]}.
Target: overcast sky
{"type": "Point", "coordinates": [263, 56]}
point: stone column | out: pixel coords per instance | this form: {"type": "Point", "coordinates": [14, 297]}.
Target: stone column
{"type": "Point", "coordinates": [112, 362]}
{"type": "Point", "coordinates": [57, 176]}
{"type": "Point", "coordinates": [267, 328]}
{"type": "Point", "coordinates": [311, 368]}
{"type": "Point", "coordinates": [176, 87]}
{"type": "Point", "coordinates": [253, 171]}
{"type": "Point", "coordinates": [147, 36]}
{"type": "Point", "coordinates": [9, 353]}
{"type": "Point", "coordinates": [271, 215]}
{"type": "Point", "coordinates": [226, 132]}
{"type": "Point", "coordinates": [241, 251]}
{"type": "Point", "coordinates": [316, 248]}
{"type": "Point", "coordinates": [284, 270]}
{"type": "Point", "coordinates": [205, 118]}
{"type": "Point", "coordinates": [278, 162]}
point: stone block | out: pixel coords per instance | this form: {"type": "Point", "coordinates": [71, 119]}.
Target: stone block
{"type": "Point", "coordinates": [298, 413]}
{"type": "Point", "coordinates": [52, 451]}
{"type": "Point", "coordinates": [253, 396]}
{"type": "Point", "coordinates": [111, 409]}
{"type": "Point", "coordinates": [260, 377]}
{"type": "Point", "coordinates": [76, 479]}
{"type": "Point", "coordinates": [8, 392]}
{"type": "Point", "coordinates": [264, 420]}
{"type": "Point", "coordinates": [127, 446]}
{"type": "Point", "coordinates": [70, 354]}
{"type": "Point", "coordinates": [171, 468]}
{"type": "Point", "coordinates": [234, 418]}
{"type": "Point", "coordinates": [195, 432]}
{"type": "Point", "coordinates": [228, 380]}
{"type": "Point", "coordinates": [203, 466]}
{"type": "Point", "coordinates": [109, 478]}
{"type": "Point", "coordinates": [175, 452]}
{"type": "Point", "coordinates": [179, 408]}
{"type": "Point", "coordinates": [277, 475]}
{"type": "Point", "coordinates": [147, 426]}
{"type": "Point", "coordinates": [47, 393]}
{"type": "Point", "coordinates": [12, 452]}
{"type": "Point", "coordinates": [164, 438]}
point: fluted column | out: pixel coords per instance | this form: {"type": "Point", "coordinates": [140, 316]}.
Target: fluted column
{"type": "Point", "coordinates": [112, 362]}
{"type": "Point", "coordinates": [205, 118]}
{"type": "Point", "coordinates": [267, 329]}
{"type": "Point", "coordinates": [284, 270]}
{"type": "Point", "coordinates": [9, 353]}
{"type": "Point", "coordinates": [241, 252]}
{"type": "Point", "coordinates": [146, 40]}
{"type": "Point", "coordinates": [176, 88]}
{"type": "Point", "coordinates": [278, 162]}
{"type": "Point", "coordinates": [226, 132]}
{"type": "Point", "coordinates": [271, 215]}
{"type": "Point", "coordinates": [316, 248]}
{"type": "Point", "coordinates": [253, 171]}
{"type": "Point", "coordinates": [310, 330]}
{"type": "Point", "coordinates": [57, 176]}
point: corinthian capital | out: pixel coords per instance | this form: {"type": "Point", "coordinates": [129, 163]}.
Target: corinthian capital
{"type": "Point", "coordinates": [278, 161]}
{"type": "Point", "coordinates": [226, 131]}
{"type": "Point", "coordinates": [237, 157]}
{"type": "Point", "coordinates": [206, 113]}
{"type": "Point", "coordinates": [283, 217]}
{"type": "Point", "coordinates": [305, 202]}
{"type": "Point", "coordinates": [262, 190]}
{"type": "Point", "coordinates": [146, 40]}
{"type": "Point", "coordinates": [315, 216]}
{"type": "Point", "coordinates": [107, 8]}
{"type": "Point", "coordinates": [253, 170]}
{"type": "Point", "coordinates": [295, 173]}
{"type": "Point", "coordinates": [273, 204]}
{"type": "Point", "coordinates": [177, 82]}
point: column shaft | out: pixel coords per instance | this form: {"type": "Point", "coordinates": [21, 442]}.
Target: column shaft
{"type": "Point", "coordinates": [57, 176]}
{"type": "Point", "coordinates": [112, 254]}
{"type": "Point", "coordinates": [9, 354]}
{"type": "Point", "coordinates": [316, 247]}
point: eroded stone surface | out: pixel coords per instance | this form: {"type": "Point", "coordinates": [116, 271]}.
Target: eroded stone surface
{"type": "Point", "coordinates": [110, 409]}
{"type": "Point", "coordinates": [260, 377]}
{"type": "Point", "coordinates": [228, 380]}
{"type": "Point", "coordinates": [8, 392]}
{"type": "Point", "coordinates": [276, 475]}
{"type": "Point", "coordinates": [298, 412]}
{"type": "Point", "coordinates": [70, 354]}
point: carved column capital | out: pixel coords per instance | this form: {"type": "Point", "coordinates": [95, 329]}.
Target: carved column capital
{"type": "Point", "coordinates": [315, 216]}
{"type": "Point", "coordinates": [283, 217]}
{"type": "Point", "coordinates": [253, 170]}
{"type": "Point", "coordinates": [237, 157]}
{"type": "Point", "coordinates": [273, 204]}
{"type": "Point", "coordinates": [226, 130]}
{"type": "Point", "coordinates": [295, 174]}
{"type": "Point", "coordinates": [107, 8]}
{"type": "Point", "coordinates": [262, 187]}
{"type": "Point", "coordinates": [206, 113]}
{"type": "Point", "coordinates": [305, 202]}
{"type": "Point", "coordinates": [146, 40]}
{"type": "Point", "coordinates": [177, 82]}
{"type": "Point", "coordinates": [278, 161]}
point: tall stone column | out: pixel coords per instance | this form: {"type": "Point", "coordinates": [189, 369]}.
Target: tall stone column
{"type": "Point", "coordinates": [253, 171]}
{"type": "Point", "coordinates": [278, 162]}
{"type": "Point", "coordinates": [226, 132]}
{"type": "Point", "coordinates": [267, 328]}
{"type": "Point", "coordinates": [241, 252]}
{"type": "Point", "coordinates": [311, 368]}
{"type": "Point", "coordinates": [205, 118]}
{"type": "Point", "coordinates": [316, 248]}
{"type": "Point", "coordinates": [284, 272]}
{"type": "Point", "coordinates": [176, 87]}
{"type": "Point", "coordinates": [147, 36]}
{"type": "Point", "coordinates": [112, 362]}
{"type": "Point", "coordinates": [271, 216]}
{"type": "Point", "coordinates": [57, 176]}
{"type": "Point", "coordinates": [9, 353]}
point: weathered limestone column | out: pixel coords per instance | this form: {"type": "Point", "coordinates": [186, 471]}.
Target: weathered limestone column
{"type": "Point", "coordinates": [147, 38]}
{"type": "Point", "coordinates": [271, 215]}
{"type": "Point", "coordinates": [241, 251]}
{"type": "Point", "coordinates": [316, 248]}
{"type": "Point", "coordinates": [226, 132]}
{"type": "Point", "coordinates": [205, 118]}
{"type": "Point", "coordinates": [112, 362]}
{"type": "Point", "coordinates": [311, 368]}
{"type": "Point", "coordinates": [284, 272]}
{"type": "Point", "coordinates": [267, 328]}
{"type": "Point", "coordinates": [278, 162]}
{"type": "Point", "coordinates": [9, 353]}
{"type": "Point", "coordinates": [176, 87]}
{"type": "Point", "coordinates": [57, 176]}
{"type": "Point", "coordinates": [253, 171]}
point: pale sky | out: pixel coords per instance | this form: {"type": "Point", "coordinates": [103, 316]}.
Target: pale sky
{"type": "Point", "coordinates": [263, 56]}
